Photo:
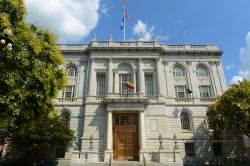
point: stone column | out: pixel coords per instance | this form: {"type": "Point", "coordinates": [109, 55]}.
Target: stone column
{"type": "Point", "coordinates": [110, 77]}
{"type": "Point", "coordinates": [116, 82]}
{"type": "Point", "coordinates": [91, 78]}
{"type": "Point", "coordinates": [159, 75]}
{"type": "Point", "coordinates": [109, 131]}
{"type": "Point", "coordinates": [108, 155]}
{"type": "Point", "coordinates": [141, 78]}
{"type": "Point", "coordinates": [142, 131]}
{"type": "Point", "coordinates": [134, 79]}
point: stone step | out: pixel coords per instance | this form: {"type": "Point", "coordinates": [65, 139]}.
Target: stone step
{"type": "Point", "coordinates": [128, 163]}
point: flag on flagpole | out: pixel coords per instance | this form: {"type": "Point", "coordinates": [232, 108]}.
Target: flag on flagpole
{"type": "Point", "coordinates": [130, 85]}
{"type": "Point", "coordinates": [126, 15]}
{"type": "Point", "coordinates": [122, 23]}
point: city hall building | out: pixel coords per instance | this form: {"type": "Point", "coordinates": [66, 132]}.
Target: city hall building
{"type": "Point", "coordinates": [143, 101]}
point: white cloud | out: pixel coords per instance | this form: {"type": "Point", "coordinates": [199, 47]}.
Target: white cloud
{"type": "Point", "coordinates": [71, 20]}
{"type": "Point", "coordinates": [245, 59]}
{"type": "Point", "coordinates": [104, 10]}
{"type": "Point", "coordinates": [143, 31]}
{"type": "Point", "coordinates": [236, 79]}
{"type": "Point", "coordinates": [244, 72]}
{"type": "Point", "coordinates": [229, 67]}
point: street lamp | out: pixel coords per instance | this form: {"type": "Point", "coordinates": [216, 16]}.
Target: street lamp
{"type": "Point", "coordinates": [5, 41]}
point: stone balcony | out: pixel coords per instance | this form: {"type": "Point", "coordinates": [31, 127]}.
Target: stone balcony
{"type": "Point", "coordinates": [133, 98]}
{"type": "Point", "coordinates": [126, 97]}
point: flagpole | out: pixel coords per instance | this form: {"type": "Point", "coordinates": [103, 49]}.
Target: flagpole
{"type": "Point", "coordinates": [124, 10]}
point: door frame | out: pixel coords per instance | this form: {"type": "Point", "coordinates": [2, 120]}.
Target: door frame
{"type": "Point", "coordinates": [123, 128]}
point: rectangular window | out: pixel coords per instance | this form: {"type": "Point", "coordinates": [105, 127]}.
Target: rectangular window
{"type": "Point", "coordinates": [149, 85]}
{"type": "Point", "coordinates": [100, 85]}
{"type": "Point", "coordinates": [69, 91]}
{"type": "Point", "coordinates": [123, 78]}
{"type": "Point", "coordinates": [205, 92]}
{"type": "Point", "coordinates": [189, 149]}
{"type": "Point", "coordinates": [217, 148]}
{"type": "Point", "coordinates": [181, 91]}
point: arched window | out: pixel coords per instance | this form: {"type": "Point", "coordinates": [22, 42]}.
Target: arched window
{"type": "Point", "coordinates": [65, 116]}
{"type": "Point", "coordinates": [201, 72]}
{"type": "Point", "coordinates": [178, 72]}
{"type": "Point", "coordinates": [185, 123]}
{"type": "Point", "coordinates": [71, 71]}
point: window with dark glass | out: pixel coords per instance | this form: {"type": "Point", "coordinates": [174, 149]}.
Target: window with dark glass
{"type": "Point", "coordinates": [181, 91]}
{"type": "Point", "coordinates": [178, 72]}
{"type": "Point", "coordinates": [201, 72]}
{"type": "Point", "coordinates": [217, 148]}
{"type": "Point", "coordinates": [205, 92]}
{"type": "Point", "coordinates": [123, 78]}
{"type": "Point", "coordinates": [101, 86]}
{"type": "Point", "coordinates": [149, 85]}
{"type": "Point", "coordinates": [66, 117]}
{"type": "Point", "coordinates": [69, 91]}
{"type": "Point", "coordinates": [189, 150]}
{"type": "Point", "coordinates": [185, 123]}
{"type": "Point", "coordinates": [71, 71]}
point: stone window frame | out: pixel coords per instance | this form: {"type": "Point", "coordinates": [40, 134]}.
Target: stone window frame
{"type": "Point", "coordinates": [185, 121]}
{"type": "Point", "coordinates": [189, 151]}
{"type": "Point", "coordinates": [182, 74]}
{"type": "Point", "coordinates": [72, 92]}
{"type": "Point", "coordinates": [73, 70]}
{"type": "Point", "coordinates": [204, 70]}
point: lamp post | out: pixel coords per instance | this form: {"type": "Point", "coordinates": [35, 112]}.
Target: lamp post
{"type": "Point", "coordinates": [5, 41]}
{"type": "Point", "coordinates": [160, 141]}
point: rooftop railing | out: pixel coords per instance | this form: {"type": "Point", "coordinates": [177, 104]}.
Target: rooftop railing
{"type": "Point", "coordinates": [152, 44]}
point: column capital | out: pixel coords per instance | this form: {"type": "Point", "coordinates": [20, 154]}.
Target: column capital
{"type": "Point", "coordinates": [189, 63]}
{"type": "Point", "coordinates": [110, 60]}
{"type": "Point", "coordinates": [92, 60]}
{"type": "Point", "coordinates": [157, 59]}
{"type": "Point", "coordinates": [139, 60]}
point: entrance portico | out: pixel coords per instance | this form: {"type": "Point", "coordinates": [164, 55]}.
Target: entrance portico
{"type": "Point", "coordinates": [125, 128]}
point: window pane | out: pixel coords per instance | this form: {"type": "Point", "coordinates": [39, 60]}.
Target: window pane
{"type": "Point", "coordinates": [71, 71]}
{"type": "Point", "coordinates": [178, 72]}
{"type": "Point", "coordinates": [201, 72]}
{"type": "Point", "coordinates": [123, 78]}
{"type": "Point", "coordinates": [189, 149]}
{"type": "Point", "coordinates": [69, 91]}
{"type": "Point", "coordinates": [100, 90]}
{"type": "Point", "coordinates": [217, 149]}
{"type": "Point", "coordinates": [185, 125]}
{"type": "Point", "coordinates": [149, 85]}
{"type": "Point", "coordinates": [205, 91]}
{"type": "Point", "coordinates": [181, 91]}
{"type": "Point", "coordinates": [66, 117]}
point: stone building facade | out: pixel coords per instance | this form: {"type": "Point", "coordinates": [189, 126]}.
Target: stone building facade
{"type": "Point", "coordinates": [173, 86]}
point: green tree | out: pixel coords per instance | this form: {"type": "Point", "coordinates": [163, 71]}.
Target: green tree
{"type": "Point", "coordinates": [30, 78]}
{"type": "Point", "coordinates": [232, 109]}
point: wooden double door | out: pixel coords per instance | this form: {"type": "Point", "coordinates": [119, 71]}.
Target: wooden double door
{"type": "Point", "coordinates": [125, 138]}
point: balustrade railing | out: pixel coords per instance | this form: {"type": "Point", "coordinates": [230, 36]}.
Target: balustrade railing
{"type": "Point", "coordinates": [67, 99]}
{"type": "Point", "coordinates": [207, 99]}
{"type": "Point", "coordinates": [125, 95]}
{"type": "Point", "coordinates": [138, 44]}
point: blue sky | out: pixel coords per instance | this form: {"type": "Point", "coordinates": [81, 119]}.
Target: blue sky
{"type": "Point", "coordinates": [222, 22]}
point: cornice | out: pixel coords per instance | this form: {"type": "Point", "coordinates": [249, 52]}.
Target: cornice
{"type": "Point", "coordinates": [192, 52]}
{"type": "Point", "coordinates": [113, 49]}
